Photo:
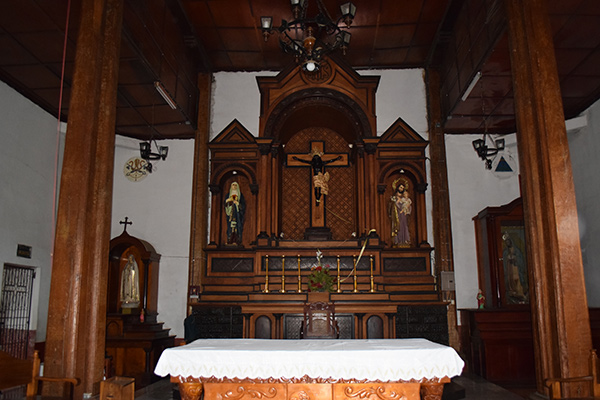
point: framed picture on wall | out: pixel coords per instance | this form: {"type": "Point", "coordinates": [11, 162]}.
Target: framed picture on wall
{"type": "Point", "coordinates": [514, 262]}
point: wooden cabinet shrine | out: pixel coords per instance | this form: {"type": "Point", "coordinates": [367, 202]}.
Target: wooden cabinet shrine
{"type": "Point", "coordinates": [501, 256]}
{"type": "Point", "coordinates": [134, 338]}
{"type": "Point", "coordinates": [498, 339]}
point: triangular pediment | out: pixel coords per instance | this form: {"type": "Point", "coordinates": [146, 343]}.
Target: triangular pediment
{"type": "Point", "coordinates": [234, 133]}
{"type": "Point", "coordinates": [401, 132]}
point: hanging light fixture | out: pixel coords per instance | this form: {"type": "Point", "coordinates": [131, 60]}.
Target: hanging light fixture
{"type": "Point", "coordinates": [147, 154]}
{"type": "Point", "coordinates": [308, 39]}
{"type": "Point", "coordinates": [484, 151]}
{"type": "Point", "coordinates": [481, 145]}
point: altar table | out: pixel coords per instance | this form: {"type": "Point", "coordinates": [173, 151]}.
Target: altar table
{"type": "Point", "coordinates": [386, 369]}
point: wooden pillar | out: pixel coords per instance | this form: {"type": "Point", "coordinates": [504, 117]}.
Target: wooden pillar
{"type": "Point", "coordinates": [75, 338]}
{"type": "Point", "coordinates": [371, 189]}
{"type": "Point", "coordinates": [264, 194]}
{"type": "Point", "coordinates": [199, 225]}
{"type": "Point", "coordinates": [361, 174]}
{"type": "Point", "coordinates": [562, 338]}
{"type": "Point", "coordinates": [442, 228]}
{"type": "Point", "coordinates": [275, 183]}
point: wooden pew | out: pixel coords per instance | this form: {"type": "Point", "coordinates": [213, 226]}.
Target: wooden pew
{"type": "Point", "coordinates": [18, 372]}
{"type": "Point", "coordinates": [577, 384]}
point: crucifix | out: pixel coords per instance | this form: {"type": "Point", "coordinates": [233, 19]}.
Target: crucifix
{"type": "Point", "coordinates": [317, 160]}
{"type": "Point", "coordinates": [126, 222]}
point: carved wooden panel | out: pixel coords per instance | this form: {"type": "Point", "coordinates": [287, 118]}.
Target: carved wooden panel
{"type": "Point", "coordinates": [392, 391]}
{"type": "Point", "coordinates": [227, 264]}
{"type": "Point", "coordinates": [238, 391]}
{"type": "Point", "coordinates": [313, 391]}
{"type": "Point", "coordinates": [292, 325]}
{"type": "Point", "coordinates": [501, 345]}
{"type": "Point", "coordinates": [405, 264]}
{"type": "Point", "coordinates": [309, 391]}
{"type": "Point", "coordinates": [340, 204]}
{"type": "Point", "coordinates": [427, 321]}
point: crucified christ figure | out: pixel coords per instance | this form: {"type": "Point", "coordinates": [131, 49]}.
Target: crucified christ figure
{"type": "Point", "coordinates": [320, 178]}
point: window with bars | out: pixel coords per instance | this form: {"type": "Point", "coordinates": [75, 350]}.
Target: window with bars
{"type": "Point", "coordinates": [15, 309]}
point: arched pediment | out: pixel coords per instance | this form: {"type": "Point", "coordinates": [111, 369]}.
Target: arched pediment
{"type": "Point", "coordinates": [335, 89]}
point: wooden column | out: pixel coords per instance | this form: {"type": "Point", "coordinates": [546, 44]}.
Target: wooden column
{"type": "Point", "coordinates": [199, 225]}
{"type": "Point", "coordinates": [274, 203]}
{"type": "Point", "coordinates": [264, 187]}
{"type": "Point", "coordinates": [75, 338]}
{"type": "Point", "coordinates": [361, 174]}
{"type": "Point", "coordinates": [442, 227]}
{"type": "Point", "coordinates": [371, 187]}
{"type": "Point", "coordinates": [562, 339]}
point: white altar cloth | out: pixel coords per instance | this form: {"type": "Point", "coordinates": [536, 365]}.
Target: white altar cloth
{"type": "Point", "coordinates": [360, 359]}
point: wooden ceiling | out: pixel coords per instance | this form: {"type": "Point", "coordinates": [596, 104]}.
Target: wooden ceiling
{"type": "Point", "coordinates": [172, 40]}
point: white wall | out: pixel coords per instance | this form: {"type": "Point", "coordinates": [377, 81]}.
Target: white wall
{"type": "Point", "coordinates": [30, 141]}
{"type": "Point", "coordinates": [160, 208]}
{"type": "Point", "coordinates": [401, 93]}
{"type": "Point", "coordinates": [584, 145]}
{"type": "Point", "coordinates": [472, 188]}
{"type": "Point", "coordinates": [235, 95]}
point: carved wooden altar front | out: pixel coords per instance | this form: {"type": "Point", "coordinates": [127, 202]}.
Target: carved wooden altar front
{"type": "Point", "coordinates": [308, 389]}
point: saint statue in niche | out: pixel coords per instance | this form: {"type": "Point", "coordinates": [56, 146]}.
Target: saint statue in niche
{"type": "Point", "coordinates": [130, 284]}
{"type": "Point", "coordinates": [235, 208]}
{"type": "Point", "coordinates": [400, 207]}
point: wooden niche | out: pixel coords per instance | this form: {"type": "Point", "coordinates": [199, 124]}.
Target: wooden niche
{"type": "Point", "coordinates": [500, 332]}
{"type": "Point", "coordinates": [501, 256]}
{"type": "Point", "coordinates": [234, 158]}
{"type": "Point", "coordinates": [134, 338]}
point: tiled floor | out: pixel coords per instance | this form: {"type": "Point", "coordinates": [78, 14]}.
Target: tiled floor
{"type": "Point", "coordinates": [475, 387]}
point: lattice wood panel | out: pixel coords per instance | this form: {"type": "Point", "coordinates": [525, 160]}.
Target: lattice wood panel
{"type": "Point", "coordinates": [340, 205]}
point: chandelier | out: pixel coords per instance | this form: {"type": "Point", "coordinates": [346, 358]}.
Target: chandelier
{"type": "Point", "coordinates": [311, 38]}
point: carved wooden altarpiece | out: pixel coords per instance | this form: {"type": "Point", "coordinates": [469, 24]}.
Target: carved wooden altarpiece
{"type": "Point", "coordinates": [331, 112]}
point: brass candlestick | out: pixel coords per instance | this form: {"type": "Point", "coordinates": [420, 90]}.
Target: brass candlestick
{"type": "Point", "coordinates": [355, 275]}
{"type": "Point", "coordinates": [339, 283]}
{"type": "Point", "coordinates": [282, 274]}
{"type": "Point", "coordinates": [372, 283]}
{"type": "Point", "coordinates": [299, 276]}
{"type": "Point", "coordinates": [266, 274]}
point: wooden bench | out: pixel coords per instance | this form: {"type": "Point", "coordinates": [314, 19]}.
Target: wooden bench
{"type": "Point", "coordinates": [581, 387]}
{"type": "Point", "coordinates": [18, 372]}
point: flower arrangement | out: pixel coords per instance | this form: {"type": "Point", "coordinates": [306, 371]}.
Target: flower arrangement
{"type": "Point", "coordinates": [319, 279]}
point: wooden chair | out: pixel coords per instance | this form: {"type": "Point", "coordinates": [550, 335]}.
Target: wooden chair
{"type": "Point", "coordinates": [19, 372]}
{"type": "Point", "coordinates": [319, 321]}
{"type": "Point", "coordinates": [586, 384]}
